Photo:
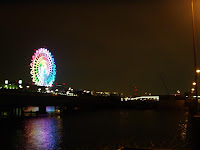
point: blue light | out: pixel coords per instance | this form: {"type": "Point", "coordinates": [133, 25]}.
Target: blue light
{"type": "Point", "coordinates": [50, 109]}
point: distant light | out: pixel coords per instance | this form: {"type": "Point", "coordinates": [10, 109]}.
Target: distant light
{"type": "Point", "coordinates": [192, 89]}
{"type": "Point", "coordinates": [198, 71]}
{"type": "Point", "coordinates": [31, 109]}
{"type": "Point", "coordinates": [27, 87]}
{"type": "Point", "coordinates": [126, 99]}
{"type": "Point", "coordinates": [39, 89]}
{"type": "Point", "coordinates": [194, 83]}
{"type": "Point", "coordinates": [50, 109]}
{"type": "Point", "coordinates": [70, 94]}
{"type": "Point", "coordinates": [20, 81]}
{"type": "Point", "coordinates": [47, 90]}
{"type": "Point", "coordinates": [6, 81]}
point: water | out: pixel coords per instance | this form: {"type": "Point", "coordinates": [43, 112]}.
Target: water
{"type": "Point", "coordinates": [97, 130]}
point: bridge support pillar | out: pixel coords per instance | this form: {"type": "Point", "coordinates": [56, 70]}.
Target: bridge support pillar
{"type": "Point", "coordinates": [42, 109]}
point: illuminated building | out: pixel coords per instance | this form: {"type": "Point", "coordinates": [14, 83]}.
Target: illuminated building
{"type": "Point", "coordinates": [12, 85]}
{"type": "Point", "coordinates": [106, 94]}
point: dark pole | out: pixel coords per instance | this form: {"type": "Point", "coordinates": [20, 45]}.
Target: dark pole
{"type": "Point", "coordinates": [195, 58]}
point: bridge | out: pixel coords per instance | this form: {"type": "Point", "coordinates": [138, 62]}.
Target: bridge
{"type": "Point", "coordinates": [141, 98]}
{"type": "Point", "coordinates": [16, 104]}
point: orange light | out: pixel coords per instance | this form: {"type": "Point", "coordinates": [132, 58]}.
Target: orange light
{"type": "Point", "coordinates": [198, 71]}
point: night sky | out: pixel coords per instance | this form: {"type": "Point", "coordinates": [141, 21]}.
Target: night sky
{"type": "Point", "coordinates": [103, 45]}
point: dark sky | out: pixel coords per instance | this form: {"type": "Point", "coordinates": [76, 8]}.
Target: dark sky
{"type": "Point", "coordinates": [103, 45]}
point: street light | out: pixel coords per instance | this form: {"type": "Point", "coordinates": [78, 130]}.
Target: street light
{"type": "Point", "coordinates": [195, 58]}
{"type": "Point", "coordinates": [198, 71]}
{"type": "Point", "coordinates": [192, 90]}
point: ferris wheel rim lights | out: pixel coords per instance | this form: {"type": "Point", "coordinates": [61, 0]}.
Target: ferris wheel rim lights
{"type": "Point", "coordinates": [43, 68]}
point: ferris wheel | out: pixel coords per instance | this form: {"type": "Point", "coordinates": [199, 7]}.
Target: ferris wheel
{"type": "Point", "coordinates": [43, 68]}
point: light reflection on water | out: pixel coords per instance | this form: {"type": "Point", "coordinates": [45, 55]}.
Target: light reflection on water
{"type": "Point", "coordinates": [185, 129]}
{"type": "Point", "coordinates": [86, 130]}
{"type": "Point", "coordinates": [41, 133]}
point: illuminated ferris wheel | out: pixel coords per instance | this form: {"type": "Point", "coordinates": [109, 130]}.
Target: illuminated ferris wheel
{"type": "Point", "coordinates": [43, 68]}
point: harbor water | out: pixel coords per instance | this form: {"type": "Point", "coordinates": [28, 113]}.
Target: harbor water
{"type": "Point", "coordinates": [95, 130]}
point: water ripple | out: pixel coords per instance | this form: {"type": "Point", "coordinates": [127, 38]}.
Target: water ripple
{"type": "Point", "coordinates": [41, 133]}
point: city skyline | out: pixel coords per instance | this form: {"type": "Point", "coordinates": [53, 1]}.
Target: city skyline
{"type": "Point", "coordinates": [103, 46]}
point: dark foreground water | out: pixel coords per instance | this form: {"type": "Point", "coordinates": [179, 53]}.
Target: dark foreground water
{"type": "Point", "coordinates": [95, 130]}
